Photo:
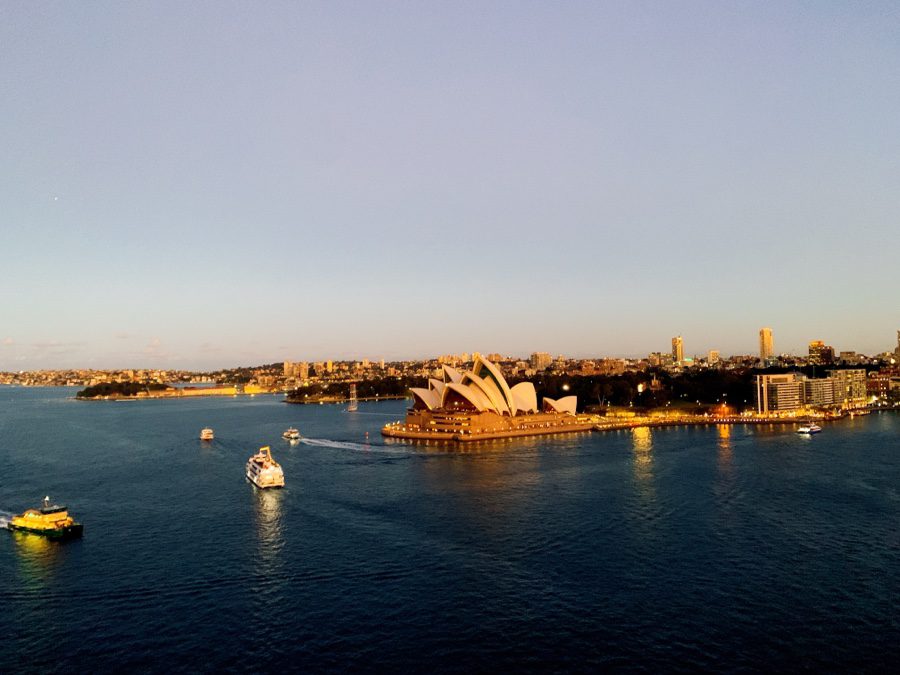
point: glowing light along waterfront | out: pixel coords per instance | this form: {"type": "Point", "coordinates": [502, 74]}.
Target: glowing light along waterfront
{"type": "Point", "coordinates": [478, 404]}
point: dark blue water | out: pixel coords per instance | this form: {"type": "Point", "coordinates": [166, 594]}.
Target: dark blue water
{"type": "Point", "coordinates": [731, 549]}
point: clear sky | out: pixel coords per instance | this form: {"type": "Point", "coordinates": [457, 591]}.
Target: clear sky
{"type": "Point", "coordinates": [206, 184]}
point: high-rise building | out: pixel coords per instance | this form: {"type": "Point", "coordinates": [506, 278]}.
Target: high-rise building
{"type": "Point", "coordinates": [766, 346]}
{"type": "Point", "coordinates": [820, 354]}
{"type": "Point", "coordinates": [677, 349]}
{"type": "Point", "coordinates": [303, 371]}
{"type": "Point", "coordinates": [288, 369]}
{"type": "Point", "coordinates": [541, 360]}
{"type": "Point", "coordinates": [778, 392]}
{"type": "Point", "coordinates": [713, 357]}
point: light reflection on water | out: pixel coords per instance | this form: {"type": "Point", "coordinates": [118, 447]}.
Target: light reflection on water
{"type": "Point", "coordinates": [38, 556]}
{"type": "Point", "coordinates": [724, 455]}
{"type": "Point", "coordinates": [267, 514]}
{"type": "Point", "coordinates": [642, 445]}
{"type": "Point", "coordinates": [642, 451]}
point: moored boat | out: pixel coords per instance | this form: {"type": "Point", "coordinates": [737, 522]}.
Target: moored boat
{"type": "Point", "coordinates": [291, 434]}
{"type": "Point", "coordinates": [50, 520]}
{"type": "Point", "coordinates": [206, 434]}
{"type": "Point", "coordinates": [263, 471]}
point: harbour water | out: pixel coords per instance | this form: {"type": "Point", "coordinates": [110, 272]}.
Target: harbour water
{"type": "Point", "coordinates": [730, 548]}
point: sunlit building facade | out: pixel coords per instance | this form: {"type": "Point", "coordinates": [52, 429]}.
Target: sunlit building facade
{"type": "Point", "coordinates": [678, 350]}
{"type": "Point", "coordinates": [479, 404]}
{"type": "Point", "coordinates": [766, 344]}
{"type": "Point", "coordinates": [778, 393]}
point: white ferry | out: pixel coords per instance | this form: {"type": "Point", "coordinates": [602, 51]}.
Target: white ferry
{"type": "Point", "coordinates": [291, 434]}
{"type": "Point", "coordinates": [206, 434]}
{"type": "Point", "coordinates": [263, 471]}
{"type": "Point", "coordinates": [809, 429]}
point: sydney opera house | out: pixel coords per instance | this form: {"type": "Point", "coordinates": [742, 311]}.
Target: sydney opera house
{"type": "Point", "coordinates": [478, 404]}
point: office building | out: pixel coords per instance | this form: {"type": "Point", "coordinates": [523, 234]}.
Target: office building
{"type": "Point", "coordinates": [766, 345]}
{"type": "Point", "coordinates": [849, 387]}
{"type": "Point", "coordinates": [678, 350]}
{"type": "Point", "coordinates": [540, 361]}
{"type": "Point", "coordinates": [713, 357]}
{"type": "Point", "coordinates": [818, 392]}
{"type": "Point", "coordinates": [778, 393]}
{"type": "Point", "coordinates": [820, 354]}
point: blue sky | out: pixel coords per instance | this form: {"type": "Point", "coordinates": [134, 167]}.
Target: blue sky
{"type": "Point", "coordinates": [200, 185]}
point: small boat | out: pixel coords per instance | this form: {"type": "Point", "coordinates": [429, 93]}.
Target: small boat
{"type": "Point", "coordinates": [206, 434]}
{"type": "Point", "coordinates": [50, 520]}
{"type": "Point", "coordinates": [291, 434]}
{"type": "Point", "coordinates": [808, 429]}
{"type": "Point", "coordinates": [263, 471]}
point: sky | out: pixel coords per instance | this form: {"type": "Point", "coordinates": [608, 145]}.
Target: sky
{"type": "Point", "coordinates": [211, 184]}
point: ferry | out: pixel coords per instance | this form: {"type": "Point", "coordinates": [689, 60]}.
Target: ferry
{"type": "Point", "coordinates": [291, 434]}
{"type": "Point", "coordinates": [263, 471]}
{"type": "Point", "coordinates": [50, 520]}
{"type": "Point", "coordinates": [808, 429]}
{"type": "Point", "coordinates": [206, 434]}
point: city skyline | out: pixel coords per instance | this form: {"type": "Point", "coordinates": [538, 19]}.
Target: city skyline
{"type": "Point", "coordinates": [170, 362]}
{"type": "Point", "coordinates": [187, 186]}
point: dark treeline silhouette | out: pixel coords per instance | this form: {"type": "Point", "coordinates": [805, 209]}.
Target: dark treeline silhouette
{"type": "Point", "coordinates": [120, 389]}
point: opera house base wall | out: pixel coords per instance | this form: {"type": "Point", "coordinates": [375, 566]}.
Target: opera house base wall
{"type": "Point", "coordinates": [482, 426]}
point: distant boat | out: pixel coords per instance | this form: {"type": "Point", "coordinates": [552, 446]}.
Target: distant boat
{"type": "Point", "coordinates": [808, 429]}
{"type": "Point", "coordinates": [291, 434]}
{"type": "Point", "coordinates": [206, 434]}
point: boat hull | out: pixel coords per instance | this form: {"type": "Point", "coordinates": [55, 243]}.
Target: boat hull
{"type": "Point", "coordinates": [68, 532]}
{"type": "Point", "coordinates": [267, 484]}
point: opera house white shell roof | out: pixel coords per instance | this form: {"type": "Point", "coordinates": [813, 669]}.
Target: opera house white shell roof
{"type": "Point", "coordinates": [484, 389]}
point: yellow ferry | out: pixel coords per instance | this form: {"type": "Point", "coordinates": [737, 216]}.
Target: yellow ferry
{"type": "Point", "coordinates": [51, 520]}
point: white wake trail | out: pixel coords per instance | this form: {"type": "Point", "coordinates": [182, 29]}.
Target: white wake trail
{"type": "Point", "coordinates": [348, 445]}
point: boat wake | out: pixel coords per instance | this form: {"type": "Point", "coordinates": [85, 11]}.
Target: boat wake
{"type": "Point", "coordinates": [342, 445]}
{"type": "Point", "coordinates": [4, 519]}
{"type": "Point", "coordinates": [348, 445]}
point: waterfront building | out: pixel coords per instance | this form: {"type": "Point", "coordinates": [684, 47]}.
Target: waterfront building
{"type": "Point", "coordinates": [303, 371]}
{"type": "Point", "coordinates": [766, 345]}
{"type": "Point", "coordinates": [820, 354]}
{"type": "Point", "coordinates": [778, 393]}
{"type": "Point", "coordinates": [677, 350]}
{"type": "Point", "coordinates": [818, 392]}
{"type": "Point", "coordinates": [849, 388]}
{"type": "Point", "coordinates": [479, 405]}
{"type": "Point", "coordinates": [878, 386]}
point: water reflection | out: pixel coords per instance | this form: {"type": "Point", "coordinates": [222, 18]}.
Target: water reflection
{"type": "Point", "coordinates": [645, 510]}
{"type": "Point", "coordinates": [724, 455]}
{"type": "Point", "coordinates": [38, 556]}
{"type": "Point", "coordinates": [642, 442]}
{"type": "Point", "coordinates": [267, 512]}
